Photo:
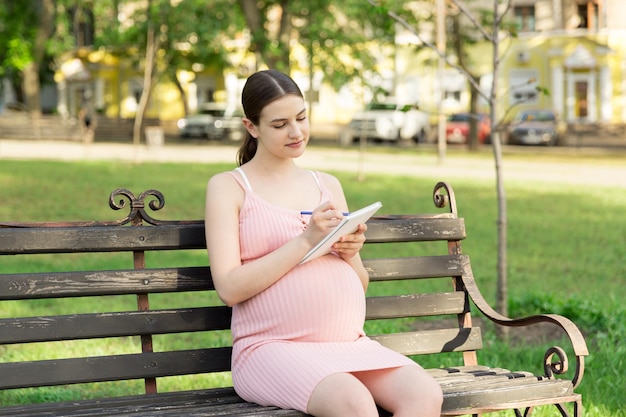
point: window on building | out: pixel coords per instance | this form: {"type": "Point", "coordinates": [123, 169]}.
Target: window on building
{"type": "Point", "coordinates": [588, 15]}
{"type": "Point", "coordinates": [452, 95]}
{"type": "Point", "coordinates": [205, 94]}
{"type": "Point", "coordinates": [525, 18]}
{"type": "Point", "coordinates": [523, 87]}
{"type": "Point", "coordinates": [453, 86]}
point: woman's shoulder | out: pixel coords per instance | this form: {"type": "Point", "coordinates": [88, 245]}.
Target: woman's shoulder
{"type": "Point", "coordinates": [222, 177]}
{"type": "Point", "coordinates": [222, 181]}
{"type": "Point", "coordinates": [329, 179]}
{"type": "Point", "coordinates": [332, 184]}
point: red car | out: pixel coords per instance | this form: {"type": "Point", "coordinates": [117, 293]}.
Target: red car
{"type": "Point", "coordinates": [457, 128]}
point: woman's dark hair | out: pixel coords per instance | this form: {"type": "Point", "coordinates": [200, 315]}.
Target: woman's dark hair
{"type": "Point", "coordinates": [261, 89]}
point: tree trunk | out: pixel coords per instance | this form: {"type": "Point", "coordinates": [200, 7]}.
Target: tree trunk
{"type": "Point", "coordinates": [183, 93]}
{"type": "Point", "coordinates": [148, 74]}
{"type": "Point", "coordinates": [263, 41]}
{"type": "Point", "coordinates": [502, 305]}
{"type": "Point", "coordinates": [472, 136]}
{"type": "Point", "coordinates": [31, 89]}
{"type": "Point", "coordinates": [31, 84]}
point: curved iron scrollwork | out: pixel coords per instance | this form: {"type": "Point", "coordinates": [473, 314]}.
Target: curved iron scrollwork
{"type": "Point", "coordinates": [137, 205]}
{"type": "Point", "coordinates": [553, 367]}
{"type": "Point", "coordinates": [441, 200]}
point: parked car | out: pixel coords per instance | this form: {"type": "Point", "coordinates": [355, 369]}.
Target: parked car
{"type": "Point", "coordinates": [213, 121]}
{"type": "Point", "coordinates": [458, 126]}
{"type": "Point", "coordinates": [537, 127]}
{"type": "Point", "coordinates": [388, 121]}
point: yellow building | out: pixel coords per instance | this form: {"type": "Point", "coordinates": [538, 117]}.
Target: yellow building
{"type": "Point", "coordinates": [573, 49]}
{"type": "Point", "coordinates": [111, 87]}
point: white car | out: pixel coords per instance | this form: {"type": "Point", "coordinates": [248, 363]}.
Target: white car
{"type": "Point", "coordinates": [213, 121]}
{"type": "Point", "coordinates": [388, 121]}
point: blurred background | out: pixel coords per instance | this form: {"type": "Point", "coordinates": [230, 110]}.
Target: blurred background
{"type": "Point", "coordinates": [107, 69]}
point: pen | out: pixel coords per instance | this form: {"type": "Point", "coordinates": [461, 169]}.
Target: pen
{"type": "Point", "coordinates": [308, 213]}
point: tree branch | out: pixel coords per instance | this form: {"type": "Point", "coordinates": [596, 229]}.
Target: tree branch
{"type": "Point", "coordinates": [441, 54]}
{"type": "Point", "coordinates": [472, 19]}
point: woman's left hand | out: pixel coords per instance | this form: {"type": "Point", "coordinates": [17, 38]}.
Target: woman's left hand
{"type": "Point", "coordinates": [349, 245]}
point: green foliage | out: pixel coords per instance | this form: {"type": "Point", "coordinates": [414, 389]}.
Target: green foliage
{"type": "Point", "coordinates": [605, 319]}
{"type": "Point", "coordinates": [20, 21]}
{"type": "Point", "coordinates": [16, 35]}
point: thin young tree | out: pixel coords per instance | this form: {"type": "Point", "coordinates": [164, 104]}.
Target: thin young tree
{"type": "Point", "coordinates": [496, 34]}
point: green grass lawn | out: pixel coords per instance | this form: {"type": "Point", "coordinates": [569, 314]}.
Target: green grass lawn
{"type": "Point", "coordinates": [566, 252]}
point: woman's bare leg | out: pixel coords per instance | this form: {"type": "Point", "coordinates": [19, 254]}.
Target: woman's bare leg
{"type": "Point", "coordinates": [341, 395]}
{"type": "Point", "coordinates": [408, 391]}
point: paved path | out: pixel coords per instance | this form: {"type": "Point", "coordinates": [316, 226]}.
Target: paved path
{"type": "Point", "coordinates": [574, 170]}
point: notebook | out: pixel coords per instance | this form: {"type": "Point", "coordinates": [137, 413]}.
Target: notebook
{"type": "Point", "coordinates": [348, 225]}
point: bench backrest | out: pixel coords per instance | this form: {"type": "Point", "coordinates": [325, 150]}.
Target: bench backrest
{"type": "Point", "coordinates": [158, 276]}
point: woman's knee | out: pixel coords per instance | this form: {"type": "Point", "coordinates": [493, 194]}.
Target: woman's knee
{"type": "Point", "coordinates": [405, 391]}
{"type": "Point", "coordinates": [433, 396]}
{"type": "Point", "coordinates": [342, 395]}
{"type": "Point", "coordinates": [427, 393]}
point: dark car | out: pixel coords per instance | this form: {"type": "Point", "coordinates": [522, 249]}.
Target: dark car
{"type": "Point", "coordinates": [537, 127]}
{"type": "Point", "coordinates": [227, 125]}
{"type": "Point", "coordinates": [213, 121]}
{"type": "Point", "coordinates": [458, 125]}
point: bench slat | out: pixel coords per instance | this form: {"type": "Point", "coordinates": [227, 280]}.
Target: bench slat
{"type": "Point", "coordinates": [101, 239]}
{"type": "Point", "coordinates": [415, 305]}
{"type": "Point", "coordinates": [85, 326]}
{"type": "Point", "coordinates": [499, 395]}
{"type": "Point", "coordinates": [197, 278]}
{"type": "Point", "coordinates": [386, 269]}
{"type": "Point", "coordinates": [432, 341]}
{"type": "Point", "coordinates": [424, 229]}
{"type": "Point", "coordinates": [197, 403]}
{"type": "Point", "coordinates": [93, 283]}
{"type": "Point", "coordinates": [134, 323]}
{"type": "Point", "coordinates": [114, 368]}
{"type": "Point", "coordinates": [158, 364]}
{"type": "Point", "coordinates": [191, 236]}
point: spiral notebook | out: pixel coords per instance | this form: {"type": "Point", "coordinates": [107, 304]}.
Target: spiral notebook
{"type": "Point", "coordinates": [348, 224]}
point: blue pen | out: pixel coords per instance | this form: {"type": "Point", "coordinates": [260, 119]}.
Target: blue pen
{"type": "Point", "coordinates": [308, 213]}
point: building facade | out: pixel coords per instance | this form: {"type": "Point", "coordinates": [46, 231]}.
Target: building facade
{"type": "Point", "coordinates": [568, 55]}
{"type": "Point", "coordinates": [573, 49]}
{"type": "Point", "coordinates": [577, 50]}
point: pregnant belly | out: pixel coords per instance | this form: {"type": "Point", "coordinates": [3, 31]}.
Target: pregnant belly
{"type": "Point", "coordinates": [321, 300]}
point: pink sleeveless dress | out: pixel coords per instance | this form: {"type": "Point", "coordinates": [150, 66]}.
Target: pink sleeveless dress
{"type": "Point", "coordinates": [306, 326]}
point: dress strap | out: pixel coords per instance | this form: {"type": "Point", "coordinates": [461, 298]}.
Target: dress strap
{"type": "Point", "coordinates": [317, 179]}
{"type": "Point", "coordinates": [244, 178]}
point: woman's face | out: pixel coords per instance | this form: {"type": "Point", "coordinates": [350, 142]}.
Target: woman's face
{"type": "Point", "coordinates": [283, 128]}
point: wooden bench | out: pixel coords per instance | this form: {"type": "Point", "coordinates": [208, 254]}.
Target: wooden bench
{"type": "Point", "coordinates": [157, 321]}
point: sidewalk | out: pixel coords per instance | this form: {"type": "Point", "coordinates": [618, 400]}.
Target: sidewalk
{"type": "Point", "coordinates": [609, 172]}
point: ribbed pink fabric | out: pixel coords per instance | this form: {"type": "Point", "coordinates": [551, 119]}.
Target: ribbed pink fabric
{"type": "Point", "coordinates": [306, 326]}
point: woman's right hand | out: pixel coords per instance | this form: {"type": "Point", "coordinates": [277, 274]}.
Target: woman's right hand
{"type": "Point", "coordinates": [323, 219]}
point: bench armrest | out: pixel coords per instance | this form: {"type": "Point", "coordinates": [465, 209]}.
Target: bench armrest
{"type": "Point", "coordinates": [571, 330]}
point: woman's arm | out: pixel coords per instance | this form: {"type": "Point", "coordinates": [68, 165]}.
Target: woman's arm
{"type": "Point", "coordinates": [233, 281]}
{"type": "Point", "coordinates": [349, 246]}
{"type": "Point", "coordinates": [236, 282]}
